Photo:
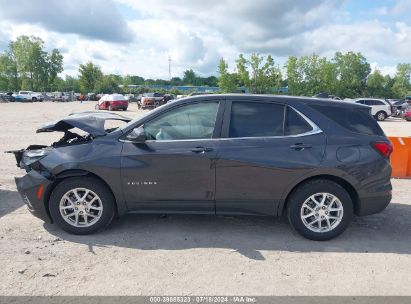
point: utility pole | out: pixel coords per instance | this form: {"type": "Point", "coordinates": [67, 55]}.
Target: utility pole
{"type": "Point", "coordinates": [169, 67]}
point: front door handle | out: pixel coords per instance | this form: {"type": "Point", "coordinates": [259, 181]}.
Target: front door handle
{"type": "Point", "coordinates": [201, 149]}
{"type": "Point", "coordinates": [301, 146]}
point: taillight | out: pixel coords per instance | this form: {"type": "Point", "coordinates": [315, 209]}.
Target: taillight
{"type": "Point", "coordinates": [385, 148]}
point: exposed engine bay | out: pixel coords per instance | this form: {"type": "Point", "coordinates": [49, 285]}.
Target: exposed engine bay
{"type": "Point", "coordinates": [92, 123]}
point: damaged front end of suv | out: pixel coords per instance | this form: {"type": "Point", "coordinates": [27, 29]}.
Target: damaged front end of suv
{"type": "Point", "coordinates": [45, 165]}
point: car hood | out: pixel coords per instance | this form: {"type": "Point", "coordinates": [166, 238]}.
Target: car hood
{"type": "Point", "coordinates": [90, 122]}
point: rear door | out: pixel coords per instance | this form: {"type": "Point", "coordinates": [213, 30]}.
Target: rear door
{"type": "Point", "coordinates": [265, 147]}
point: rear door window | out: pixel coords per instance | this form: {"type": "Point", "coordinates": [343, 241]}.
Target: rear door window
{"type": "Point", "coordinates": [378, 103]}
{"type": "Point", "coordinates": [256, 119]}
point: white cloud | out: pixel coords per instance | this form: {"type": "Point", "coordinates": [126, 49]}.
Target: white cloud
{"type": "Point", "coordinates": [197, 34]}
{"type": "Point", "coordinates": [96, 19]}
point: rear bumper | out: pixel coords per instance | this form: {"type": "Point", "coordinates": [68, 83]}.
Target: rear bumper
{"type": "Point", "coordinates": [374, 198]}
{"type": "Point", "coordinates": [373, 205]}
{"type": "Point", "coordinates": [119, 105]}
{"type": "Point", "coordinates": [32, 188]}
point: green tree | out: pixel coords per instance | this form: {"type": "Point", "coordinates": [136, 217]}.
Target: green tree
{"type": "Point", "coordinates": [26, 65]}
{"type": "Point", "coordinates": [352, 71]}
{"type": "Point", "coordinates": [226, 81]}
{"type": "Point", "coordinates": [32, 62]}
{"type": "Point", "coordinates": [189, 77]}
{"type": "Point", "coordinates": [54, 66]}
{"type": "Point", "coordinates": [107, 84]}
{"type": "Point", "coordinates": [294, 78]}
{"type": "Point", "coordinates": [8, 73]}
{"type": "Point", "coordinates": [176, 81]}
{"type": "Point", "coordinates": [376, 85]}
{"type": "Point", "coordinates": [90, 74]}
{"type": "Point", "coordinates": [401, 86]}
{"type": "Point", "coordinates": [71, 84]}
{"type": "Point", "coordinates": [259, 74]}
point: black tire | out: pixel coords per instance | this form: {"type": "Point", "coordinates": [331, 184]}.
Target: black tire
{"type": "Point", "coordinates": [92, 184]}
{"type": "Point", "coordinates": [303, 192]}
{"type": "Point", "coordinates": [34, 99]}
{"type": "Point", "coordinates": [381, 116]}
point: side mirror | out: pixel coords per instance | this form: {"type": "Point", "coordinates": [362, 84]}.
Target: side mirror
{"type": "Point", "coordinates": [137, 135]}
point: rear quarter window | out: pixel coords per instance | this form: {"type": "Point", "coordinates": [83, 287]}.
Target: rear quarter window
{"type": "Point", "coordinates": [295, 124]}
{"type": "Point", "coordinates": [354, 119]}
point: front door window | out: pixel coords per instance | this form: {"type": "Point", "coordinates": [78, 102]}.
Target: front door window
{"type": "Point", "coordinates": [194, 121]}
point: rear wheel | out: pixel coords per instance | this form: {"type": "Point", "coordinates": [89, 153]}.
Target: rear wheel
{"type": "Point", "coordinates": [320, 210]}
{"type": "Point", "coordinates": [34, 99]}
{"type": "Point", "coordinates": [381, 116]}
{"type": "Point", "coordinates": [81, 205]}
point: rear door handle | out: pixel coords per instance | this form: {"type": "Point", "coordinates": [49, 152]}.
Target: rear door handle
{"type": "Point", "coordinates": [201, 149]}
{"type": "Point", "coordinates": [301, 146]}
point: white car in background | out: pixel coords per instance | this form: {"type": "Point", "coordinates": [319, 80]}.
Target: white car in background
{"type": "Point", "coordinates": [28, 96]}
{"type": "Point", "coordinates": [380, 108]}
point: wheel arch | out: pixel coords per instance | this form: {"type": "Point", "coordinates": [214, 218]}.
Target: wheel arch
{"type": "Point", "coordinates": [338, 180]}
{"type": "Point", "coordinates": [73, 173]}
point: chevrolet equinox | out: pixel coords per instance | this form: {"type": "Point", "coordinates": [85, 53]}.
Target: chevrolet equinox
{"type": "Point", "coordinates": [318, 162]}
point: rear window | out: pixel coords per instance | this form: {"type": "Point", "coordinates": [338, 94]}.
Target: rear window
{"type": "Point", "coordinates": [354, 119]}
{"type": "Point", "coordinates": [118, 97]}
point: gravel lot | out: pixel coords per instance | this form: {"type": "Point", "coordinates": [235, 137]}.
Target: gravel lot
{"type": "Point", "coordinates": [191, 255]}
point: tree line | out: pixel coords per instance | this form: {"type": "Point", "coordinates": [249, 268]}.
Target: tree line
{"type": "Point", "coordinates": [27, 65]}
{"type": "Point", "coordinates": [347, 75]}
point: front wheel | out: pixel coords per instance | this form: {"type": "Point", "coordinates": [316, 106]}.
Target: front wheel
{"type": "Point", "coordinates": [81, 205]}
{"type": "Point", "coordinates": [320, 210]}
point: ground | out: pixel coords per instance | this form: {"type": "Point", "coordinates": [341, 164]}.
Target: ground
{"type": "Point", "coordinates": [191, 255]}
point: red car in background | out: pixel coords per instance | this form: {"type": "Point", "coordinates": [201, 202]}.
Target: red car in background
{"type": "Point", "coordinates": [407, 115]}
{"type": "Point", "coordinates": [112, 102]}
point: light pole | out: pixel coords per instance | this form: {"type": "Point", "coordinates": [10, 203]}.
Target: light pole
{"type": "Point", "coordinates": [169, 67]}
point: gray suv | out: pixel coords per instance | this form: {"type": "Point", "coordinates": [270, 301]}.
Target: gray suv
{"type": "Point", "coordinates": [315, 161]}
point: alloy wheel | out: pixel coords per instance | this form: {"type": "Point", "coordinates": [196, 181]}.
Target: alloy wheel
{"type": "Point", "coordinates": [81, 207]}
{"type": "Point", "coordinates": [322, 212]}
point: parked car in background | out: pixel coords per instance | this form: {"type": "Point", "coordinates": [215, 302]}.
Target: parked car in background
{"type": "Point", "coordinates": [326, 96]}
{"type": "Point", "coordinates": [150, 100]}
{"type": "Point", "coordinates": [112, 102]}
{"type": "Point", "coordinates": [7, 97]}
{"type": "Point", "coordinates": [60, 97]}
{"type": "Point", "coordinates": [92, 97]}
{"type": "Point", "coordinates": [28, 96]}
{"type": "Point", "coordinates": [380, 108]}
{"type": "Point", "coordinates": [398, 106]}
{"type": "Point", "coordinates": [318, 162]}
{"type": "Point", "coordinates": [167, 98]}
{"type": "Point", "coordinates": [407, 115]}
{"type": "Point", "coordinates": [131, 98]}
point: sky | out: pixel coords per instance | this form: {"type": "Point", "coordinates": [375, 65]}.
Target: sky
{"type": "Point", "coordinates": [138, 37]}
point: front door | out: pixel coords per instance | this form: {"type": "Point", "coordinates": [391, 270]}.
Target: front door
{"type": "Point", "coordinates": [173, 171]}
